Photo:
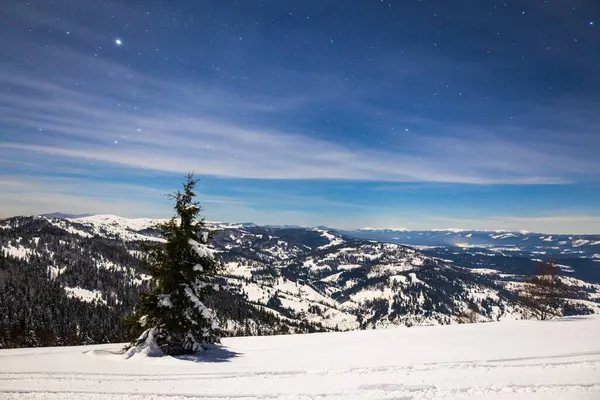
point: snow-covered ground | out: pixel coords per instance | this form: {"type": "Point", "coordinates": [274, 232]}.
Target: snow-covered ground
{"type": "Point", "coordinates": [504, 360]}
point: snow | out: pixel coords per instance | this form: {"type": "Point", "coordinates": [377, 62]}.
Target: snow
{"type": "Point", "coordinates": [484, 271]}
{"type": "Point", "coordinates": [399, 278]}
{"type": "Point", "coordinates": [299, 298]}
{"type": "Point", "coordinates": [580, 242]}
{"type": "Point", "coordinates": [302, 291]}
{"type": "Point", "coordinates": [302, 295]}
{"type": "Point", "coordinates": [524, 360]}
{"type": "Point", "coordinates": [310, 263]}
{"type": "Point", "coordinates": [418, 261]}
{"type": "Point", "coordinates": [449, 230]}
{"type": "Point", "coordinates": [256, 293]}
{"type": "Point", "coordinates": [294, 304]}
{"type": "Point", "coordinates": [147, 348]}
{"type": "Point", "coordinates": [501, 249]}
{"type": "Point", "coordinates": [142, 278]}
{"type": "Point", "coordinates": [74, 231]}
{"type": "Point", "coordinates": [55, 272]}
{"type": "Point", "coordinates": [482, 294]}
{"type": "Point", "coordinates": [201, 249]}
{"type": "Point", "coordinates": [109, 265]}
{"type": "Point", "coordinates": [63, 225]}
{"type": "Point", "coordinates": [131, 223]}
{"type": "Point", "coordinates": [366, 295]}
{"type": "Point", "coordinates": [198, 267]}
{"type": "Point", "coordinates": [125, 228]}
{"type": "Point", "coordinates": [164, 300]}
{"type": "Point", "coordinates": [17, 251]}
{"type": "Point", "coordinates": [333, 240]}
{"type": "Point", "coordinates": [414, 279]}
{"type": "Point", "coordinates": [565, 268]}
{"type": "Point", "coordinates": [205, 311]}
{"type": "Point", "coordinates": [347, 267]}
{"type": "Point", "coordinates": [136, 253]}
{"type": "Point", "coordinates": [332, 277]}
{"type": "Point", "coordinates": [237, 269]}
{"type": "Point", "coordinates": [383, 269]}
{"type": "Point", "coordinates": [337, 319]}
{"type": "Point", "coordinates": [503, 236]}
{"type": "Point", "coordinates": [89, 296]}
{"type": "Point", "coordinates": [368, 228]}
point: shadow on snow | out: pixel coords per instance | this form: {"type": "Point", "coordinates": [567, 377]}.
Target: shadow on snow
{"type": "Point", "coordinates": [217, 354]}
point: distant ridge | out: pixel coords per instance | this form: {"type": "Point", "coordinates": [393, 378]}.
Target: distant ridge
{"type": "Point", "coordinates": [61, 215]}
{"type": "Point", "coordinates": [368, 228]}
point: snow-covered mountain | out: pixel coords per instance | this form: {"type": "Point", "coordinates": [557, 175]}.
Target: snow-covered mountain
{"type": "Point", "coordinates": [587, 246]}
{"type": "Point", "coordinates": [322, 276]}
{"type": "Point", "coordinates": [282, 279]}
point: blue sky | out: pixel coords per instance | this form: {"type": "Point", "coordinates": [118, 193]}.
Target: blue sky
{"type": "Point", "coordinates": [415, 114]}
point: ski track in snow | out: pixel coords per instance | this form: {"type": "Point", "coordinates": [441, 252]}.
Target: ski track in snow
{"type": "Point", "coordinates": [505, 360]}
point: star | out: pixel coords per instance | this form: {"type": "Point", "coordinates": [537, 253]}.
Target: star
{"type": "Point", "coordinates": [591, 23]}
{"type": "Point", "coordinates": [118, 42]}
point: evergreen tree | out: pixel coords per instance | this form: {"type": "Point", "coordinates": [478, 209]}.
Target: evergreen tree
{"type": "Point", "coordinates": [174, 317]}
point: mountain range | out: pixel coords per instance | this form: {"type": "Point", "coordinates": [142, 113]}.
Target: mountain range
{"type": "Point", "coordinates": [86, 274]}
{"type": "Point", "coordinates": [554, 245]}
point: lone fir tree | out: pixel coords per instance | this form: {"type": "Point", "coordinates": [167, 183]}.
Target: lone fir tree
{"type": "Point", "coordinates": [173, 317]}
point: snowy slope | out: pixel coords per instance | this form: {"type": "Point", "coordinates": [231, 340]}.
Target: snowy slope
{"type": "Point", "coordinates": [522, 360]}
{"type": "Point", "coordinates": [127, 229]}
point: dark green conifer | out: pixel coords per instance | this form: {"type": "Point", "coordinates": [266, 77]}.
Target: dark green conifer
{"type": "Point", "coordinates": [173, 316]}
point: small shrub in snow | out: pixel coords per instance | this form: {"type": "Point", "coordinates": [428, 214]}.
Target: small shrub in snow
{"type": "Point", "coordinates": [544, 293]}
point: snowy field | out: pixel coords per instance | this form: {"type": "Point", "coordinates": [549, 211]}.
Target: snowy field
{"type": "Point", "coordinates": [506, 360]}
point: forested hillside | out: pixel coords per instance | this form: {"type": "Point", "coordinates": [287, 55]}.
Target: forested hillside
{"type": "Point", "coordinates": [65, 282]}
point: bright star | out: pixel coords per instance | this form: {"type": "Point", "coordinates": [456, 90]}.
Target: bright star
{"type": "Point", "coordinates": [118, 42]}
{"type": "Point", "coordinates": [591, 23]}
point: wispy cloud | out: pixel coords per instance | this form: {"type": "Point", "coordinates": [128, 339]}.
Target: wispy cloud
{"type": "Point", "coordinates": [142, 122]}
{"type": "Point", "coordinates": [92, 109]}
